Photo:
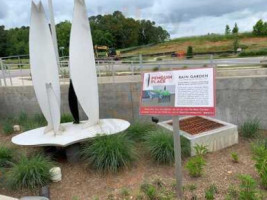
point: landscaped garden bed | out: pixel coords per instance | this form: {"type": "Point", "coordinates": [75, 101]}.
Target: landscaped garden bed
{"type": "Point", "coordinates": [212, 133]}
{"type": "Point", "coordinates": [150, 173]}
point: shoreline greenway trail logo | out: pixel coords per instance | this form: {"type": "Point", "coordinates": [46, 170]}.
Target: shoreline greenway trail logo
{"type": "Point", "coordinates": [181, 92]}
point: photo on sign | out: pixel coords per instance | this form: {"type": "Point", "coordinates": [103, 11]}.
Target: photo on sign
{"type": "Point", "coordinates": [158, 89]}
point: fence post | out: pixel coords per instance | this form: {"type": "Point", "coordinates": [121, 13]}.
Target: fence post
{"type": "Point", "coordinates": [20, 67]}
{"type": "Point", "coordinates": [132, 68]}
{"type": "Point", "coordinates": [3, 71]}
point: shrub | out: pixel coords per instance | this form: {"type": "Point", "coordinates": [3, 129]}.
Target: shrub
{"type": "Point", "coordinates": [201, 150]}
{"type": "Point", "coordinates": [66, 118]}
{"type": "Point", "coordinates": [247, 188]}
{"type": "Point", "coordinates": [6, 156]}
{"type": "Point", "coordinates": [138, 130]}
{"type": "Point", "coordinates": [109, 153]}
{"type": "Point", "coordinates": [250, 129]}
{"type": "Point", "coordinates": [235, 157]}
{"type": "Point", "coordinates": [210, 192]}
{"type": "Point", "coordinates": [29, 172]}
{"type": "Point", "coordinates": [195, 166]}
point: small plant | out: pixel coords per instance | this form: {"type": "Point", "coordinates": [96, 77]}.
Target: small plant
{"type": "Point", "coordinates": [260, 156]}
{"type": "Point", "coordinates": [6, 156]}
{"type": "Point", "coordinates": [247, 188]}
{"type": "Point", "coordinates": [192, 188]}
{"type": "Point", "coordinates": [250, 129]}
{"type": "Point", "coordinates": [210, 192]}
{"type": "Point", "coordinates": [138, 130]}
{"type": "Point", "coordinates": [29, 172]}
{"type": "Point", "coordinates": [160, 145]}
{"type": "Point", "coordinates": [150, 191]}
{"type": "Point", "coordinates": [7, 127]}
{"type": "Point", "coordinates": [235, 157]}
{"type": "Point", "coordinates": [124, 192]}
{"type": "Point", "coordinates": [232, 193]}
{"type": "Point", "coordinates": [109, 153]}
{"type": "Point", "coordinates": [66, 118]}
{"type": "Point", "coordinates": [201, 150]}
{"type": "Point", "coordinates": [195, 166]}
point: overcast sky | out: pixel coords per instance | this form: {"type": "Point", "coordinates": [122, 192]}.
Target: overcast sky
{"type": "Point", "coordinates": [179, 17]}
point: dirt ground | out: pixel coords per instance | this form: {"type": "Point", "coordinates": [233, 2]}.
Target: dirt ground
{"type": "Point", "coordinates": [80, 183]}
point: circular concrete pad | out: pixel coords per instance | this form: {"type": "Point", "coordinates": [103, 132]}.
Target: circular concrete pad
{"type": "Point", "coordinates": [73, 133]}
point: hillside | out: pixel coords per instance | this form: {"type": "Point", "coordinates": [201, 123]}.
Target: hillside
{"type": "Point", "coordinates": [205, 44]}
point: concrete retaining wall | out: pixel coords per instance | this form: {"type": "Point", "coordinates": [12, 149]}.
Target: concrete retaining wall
{"type": "Point", "coordinates": [237, 100]}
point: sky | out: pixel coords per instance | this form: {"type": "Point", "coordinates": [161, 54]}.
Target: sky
{"type": "Point", "coordinates": [179, 17]}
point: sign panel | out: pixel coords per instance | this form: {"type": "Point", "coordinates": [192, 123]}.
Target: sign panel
{"type": "Point", "coordinates": [181, 92]}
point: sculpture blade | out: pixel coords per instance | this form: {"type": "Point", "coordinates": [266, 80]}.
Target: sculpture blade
{"type": "Point", "coordinates": [82, 63]}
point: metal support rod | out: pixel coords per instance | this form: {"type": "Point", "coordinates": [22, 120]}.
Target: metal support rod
{"type": "Point", "coordinates": [177, 155]}
{"type": "Point", "coordinates": [53, 29]}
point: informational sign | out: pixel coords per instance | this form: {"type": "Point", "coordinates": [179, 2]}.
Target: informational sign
{"type": "Point", "coordinates": [180, 92]}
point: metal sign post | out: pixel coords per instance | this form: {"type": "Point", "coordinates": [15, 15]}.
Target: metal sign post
{"type": "Point", "coordinates": [177, 155]}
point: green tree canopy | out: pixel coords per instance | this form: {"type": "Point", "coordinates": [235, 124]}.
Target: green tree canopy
{"type": "Point", "coordinates": [235, 29]}
{"type": "Point", "coordinates": [227, 30]}
{"type": "Point", "coordinates": [112, 30]}
{"type": "Point", "coordinates": [260, 28]}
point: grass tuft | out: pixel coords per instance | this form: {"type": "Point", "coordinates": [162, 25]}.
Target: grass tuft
{"type": "Point", "coordinates": [66, 118]}
{"type": "Point", "coordinates": [250, 129]}
{"type": "Point", "coordinates": [160, 145]}
{"type": "Point", "coordinates": [109, 153]}
{"type": "Point", "coordinates": [6, 156]}
{"type": "Point", "coordinates": [138, 130]}
{"type": "Point", "coordinates": [29, 172]}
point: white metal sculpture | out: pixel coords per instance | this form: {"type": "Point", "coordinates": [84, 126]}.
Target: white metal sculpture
{"type": "Point", "coordinates": [44, 68]}
{"type": "Point", "coordinates": [46, 83]}
{"type": "Point", "coordinates": [82, 63]}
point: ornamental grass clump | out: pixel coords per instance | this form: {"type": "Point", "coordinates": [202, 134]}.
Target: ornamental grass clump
{"type": "Point", "coordinates": [251, 128]}
{"type": "Point", "coordinates": [6, 156]}
{"type": "Point", "coordinates": [29, 172]}
{"type": "Point", "coordinates": [109, 153]}
{"type": "Point", "coordinates": [260, 156]}
{"type": "Point", "coordinates": [160, 146]}
{"type": "Point", "coordinates": [138, 130]}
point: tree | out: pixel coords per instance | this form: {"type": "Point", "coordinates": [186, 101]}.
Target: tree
{"type": "Point", "coordinates": [227, 30]}
{"type": "Point", "coordinates": [3, 41]}
{"type": "Point", "coordinates": [235, 29]}
{"type": "Point", "coordinates": [63, 35]}
{"type": "Point", "coordinates": [189, 53]}
{"type": "Point", "coordinates": [260, 28]}
{"type": "Point", "coordinates": [236, 44]}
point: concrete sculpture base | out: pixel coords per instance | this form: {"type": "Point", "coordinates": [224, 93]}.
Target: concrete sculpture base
{"type": "Point", "coordinates": [215, 139]}
{"type": "Point", "coordinates": [73, 133]}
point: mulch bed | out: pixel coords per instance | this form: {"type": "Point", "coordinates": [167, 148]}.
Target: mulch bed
{"type": "Point", "coordinates": [81, 183]}
{"type": "Point", "coordinates": [196, 125]}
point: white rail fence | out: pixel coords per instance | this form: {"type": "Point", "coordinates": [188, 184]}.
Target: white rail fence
{"type": "Point", "coordinates": [15, 70]}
